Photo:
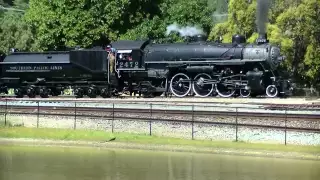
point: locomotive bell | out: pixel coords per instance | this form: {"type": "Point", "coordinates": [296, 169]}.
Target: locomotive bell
{"type": "Point", "coordinates": [238, 39]}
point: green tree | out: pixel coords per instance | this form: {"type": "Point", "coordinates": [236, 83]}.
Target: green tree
{"type": "Point", "coordinates": [20, 4]}
{"type": "Point", "coordinates": [173, 11]}
{"type": "Point", "coordinates": [241, 20]}
{"type": "Point", "coordinates": [301, 25]}
{"type": "Point", "coordinates": [293, 24]}
{"type": "Point", "coordinates": [14, 31]}
{"type": "Point", "coordinates": [63, 23]}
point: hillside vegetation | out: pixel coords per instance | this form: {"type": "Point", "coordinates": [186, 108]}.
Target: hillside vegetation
{"type": "Point", "coordinates": [56, 24]}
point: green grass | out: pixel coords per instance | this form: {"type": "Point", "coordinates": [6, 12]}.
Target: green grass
{"type": "Point", "coordinates": [87, 135]}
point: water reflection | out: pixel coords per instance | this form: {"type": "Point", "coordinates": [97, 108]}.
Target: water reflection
{"type": "Point", "coordinates": [93, 164]}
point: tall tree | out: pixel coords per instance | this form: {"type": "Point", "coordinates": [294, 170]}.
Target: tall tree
{"type": "Point", "coordinates": [301, 25]}
{"type": "Point", "coordinates": [241, 20]}
{"type": "Point", "coordinates": [292, 24]}
{"type": "Point", "coordinates": [14, 31]}
{"type": "Point", "coordinates": [63, 23]}
{"type": "Point", "coordinates": [173, 11]}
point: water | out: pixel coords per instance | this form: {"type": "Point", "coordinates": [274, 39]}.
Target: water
{"type": "Point", "coordinates": [51, 163]}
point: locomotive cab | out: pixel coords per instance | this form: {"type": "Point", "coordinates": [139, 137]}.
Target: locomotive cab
{"type": "Point", "coordinates": [129, 59]}
{"type": "Point", "coordinates": [129, 56]}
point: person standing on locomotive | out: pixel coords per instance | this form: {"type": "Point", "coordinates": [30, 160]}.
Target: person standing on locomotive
{"type": "Point", "coordinates": [111, 57]}
{"type": "Point", "coordinates": [2, 56]}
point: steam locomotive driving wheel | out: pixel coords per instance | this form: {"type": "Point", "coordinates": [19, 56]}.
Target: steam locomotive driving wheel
{"type": "Point", "coordinates": [180, 85]}
{"type": "Point", "coordinates": [200, 85]}
{"type": "Point", "coordinates": [226, 85]}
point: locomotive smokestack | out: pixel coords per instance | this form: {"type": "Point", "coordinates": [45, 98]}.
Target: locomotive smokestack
{"type": "Point", "coordinates": [263, 38]}
{"type": "Point", "coordinates": [262, 19]}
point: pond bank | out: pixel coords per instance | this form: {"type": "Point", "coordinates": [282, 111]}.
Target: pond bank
{"type": "Point", "coordinates": [102, 139]}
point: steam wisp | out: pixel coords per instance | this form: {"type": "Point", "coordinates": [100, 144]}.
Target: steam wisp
{"type": "Point", "coordinates": [262, 15]}
{"type": "Point", "coordinates": [184, 31]}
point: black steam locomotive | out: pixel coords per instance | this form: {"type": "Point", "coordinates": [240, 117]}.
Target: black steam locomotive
{"type": "Point", "coordinates": [194, 68]}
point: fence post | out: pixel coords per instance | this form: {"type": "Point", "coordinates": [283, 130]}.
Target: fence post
{"type": "Point", "coordinates": [5, 113]}
{"type": "Point", "coordinates": [112, 117]}
{"type": "Point", "coordinates": [236, 124]}
{"type": "Point", "coordinates": [285, 128]}
{"type": "Point", "coordinates": [75, 115]}
{"type": "Point", "coordinates": [38, 115]}
{"type": "Point", "coordinates": [192, 122]}
{"type": "Point", "coordinates": [150, 121]}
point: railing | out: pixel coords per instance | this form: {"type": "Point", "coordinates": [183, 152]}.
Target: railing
{"type": "Point", "coordinates": [189, 121]}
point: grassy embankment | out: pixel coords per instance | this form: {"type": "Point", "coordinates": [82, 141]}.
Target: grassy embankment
{"type": "Point", "coordinates": [102, 136]}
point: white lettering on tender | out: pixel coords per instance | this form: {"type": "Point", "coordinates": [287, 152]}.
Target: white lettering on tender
{"type": "Point", "coordinates": [34, 68]}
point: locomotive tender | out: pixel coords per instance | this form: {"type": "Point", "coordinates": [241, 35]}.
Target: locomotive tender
{"type": "Point", "coordinates": [201, 68]}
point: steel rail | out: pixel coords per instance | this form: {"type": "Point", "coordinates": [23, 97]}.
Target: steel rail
{"type": "Point", "coordinates": [67, 98]}
{"type": "Point", "coordinates": [208, 104]}
{"type": "Point", "coordinates": [72, 98]}
{"type": "Point", "coordinates": [167, 112]}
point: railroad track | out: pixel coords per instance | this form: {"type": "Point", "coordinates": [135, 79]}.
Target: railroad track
{"type": "Point", "coordinates": [102, 112]}
{"type": "Point", "coordinates": [161, 98]}
{"type": "Point", "coordinates": [214, 103]}
{"type": "Point", "coordinates": [158, 98]}
{"type": "Point", "coordinates": [292, 106]}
